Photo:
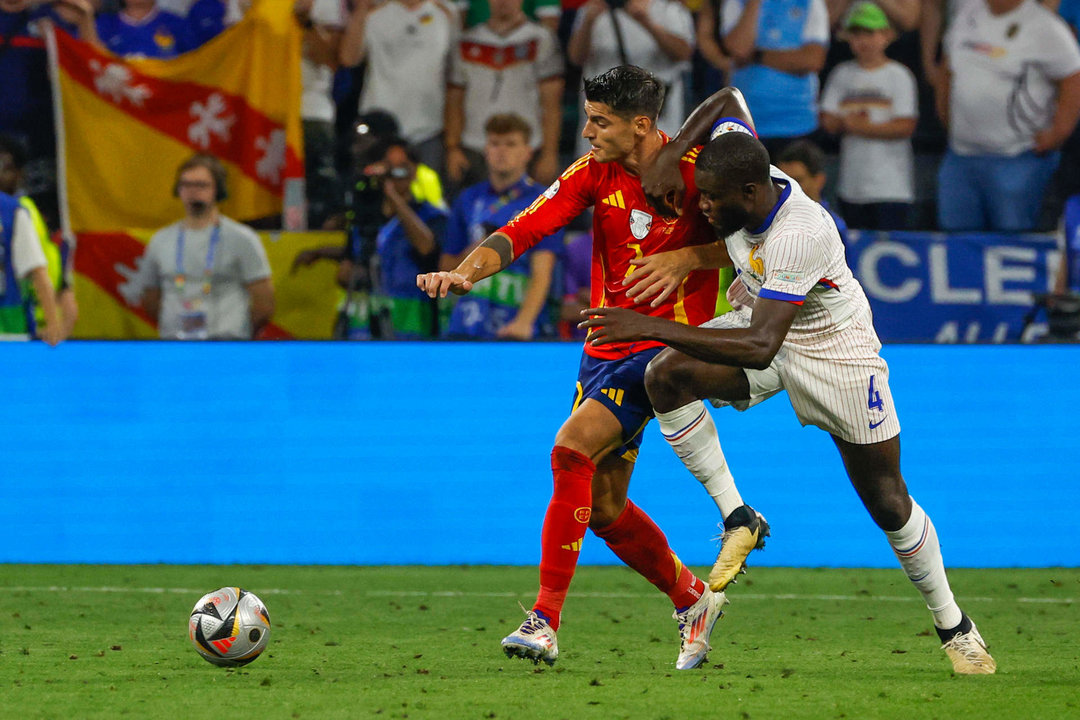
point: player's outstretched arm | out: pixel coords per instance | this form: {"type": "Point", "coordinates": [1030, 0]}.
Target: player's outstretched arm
{"type": "Point", "coordinates": [662, 181]}
{"type": "Point", "coordinates": [753, 347]}
{"type": "Point", "coordinates": [659, 275]}
{"type": "Point", "coordinates": [488, 258]}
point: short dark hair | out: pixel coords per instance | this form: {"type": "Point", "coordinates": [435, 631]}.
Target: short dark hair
{"type": "Point", "coordinates": [628, 90]}
{"type": "Point", "coordinates": [506, 123]}
{"type": "Point", "coordinates": [736, 158]}
{"type": "Point", "coordinates": [379, 151]}
{"type": "Point", "coordinates": [805, 152]}
{"type": "Point", "coordinates": [14, 148]}
{"type": "Point", "coordinates": [211, 163]}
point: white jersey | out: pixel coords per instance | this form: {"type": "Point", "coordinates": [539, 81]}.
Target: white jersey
{"type": "Point", "coordinates": [797, 256]}
{"type": "Point", "coordinates": [1005, 72]}
{"type": "Point", "coordinates": [829, 363]}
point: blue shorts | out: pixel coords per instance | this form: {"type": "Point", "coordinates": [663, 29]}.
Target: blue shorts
{"type": "Point", "coordinates": [620, 386]}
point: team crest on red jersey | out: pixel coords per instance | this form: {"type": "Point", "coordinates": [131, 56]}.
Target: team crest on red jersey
{"type": "Point", "coordinates": [640, 223]}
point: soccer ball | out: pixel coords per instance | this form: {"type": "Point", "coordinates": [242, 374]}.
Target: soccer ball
{"type": "Point", "coordinates": [229, 627]}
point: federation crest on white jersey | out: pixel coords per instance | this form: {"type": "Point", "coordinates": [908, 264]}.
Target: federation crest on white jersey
{"type": "Point", "coordinates": [229, 627]}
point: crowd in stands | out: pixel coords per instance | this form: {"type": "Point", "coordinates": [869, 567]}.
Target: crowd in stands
{"type": "Point", "coordinates": [442, 120]}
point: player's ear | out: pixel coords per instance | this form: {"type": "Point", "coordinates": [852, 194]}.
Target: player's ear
{"type": "Point", "coordinates": [643, 125]}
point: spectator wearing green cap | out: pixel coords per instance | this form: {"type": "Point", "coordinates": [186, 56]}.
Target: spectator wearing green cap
{"type": "Point", "coordinates": [872, 103]}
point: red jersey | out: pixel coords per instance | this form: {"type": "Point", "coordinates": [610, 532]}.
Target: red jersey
{"type": "Point", "coordinates": [625, 227]}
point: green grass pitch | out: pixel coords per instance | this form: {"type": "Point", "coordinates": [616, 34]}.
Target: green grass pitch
{"type": "Point", "coordinates": [423, 642]}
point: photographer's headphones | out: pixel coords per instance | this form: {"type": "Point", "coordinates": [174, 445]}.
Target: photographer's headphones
{"type": "Point", "coordinates": [217, 171]}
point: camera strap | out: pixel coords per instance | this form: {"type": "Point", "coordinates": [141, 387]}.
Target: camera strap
{"type": "Point", "coordinates": [619, 41]}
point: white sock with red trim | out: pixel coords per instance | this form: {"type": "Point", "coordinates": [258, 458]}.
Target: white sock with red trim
{"type": "Point", "coordinates": [692, 435]}
{"type": "Point", "coordinates": [916, 546]}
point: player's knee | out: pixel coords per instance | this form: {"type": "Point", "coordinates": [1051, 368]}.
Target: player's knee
{"type": "Point", "coordinates": [667, 380]}
{"type": "Point", "coordinates": [890, 506]}
{"type": "Point", "coordinates": [589, 436]}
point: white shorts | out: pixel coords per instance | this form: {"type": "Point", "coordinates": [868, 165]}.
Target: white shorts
{"type": "Point", "coordinates": [839, 383]}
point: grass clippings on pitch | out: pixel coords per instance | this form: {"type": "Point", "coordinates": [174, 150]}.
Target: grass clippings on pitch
{"type": "Point", "coordinates": [421, 642]}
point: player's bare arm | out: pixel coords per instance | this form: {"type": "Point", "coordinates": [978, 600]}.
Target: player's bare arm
{"type": "Point", "coordinates": [661, 274]}
{"type": "Point", "coordinates": [489, 257]}
{"type": "Point", "coordinates": [753, 347]}
{"type": "Point", "coordinates": [662, 181]}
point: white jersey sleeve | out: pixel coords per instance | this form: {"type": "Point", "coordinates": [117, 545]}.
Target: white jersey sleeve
{"type": "Point", "coordinates": [794, 264]}
{"type": "Point", "coordinates": [26, 252]}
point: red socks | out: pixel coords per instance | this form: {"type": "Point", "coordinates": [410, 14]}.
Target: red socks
{"type": "Point", "coordinates": [639, 543]}
{"type": "Point", "coordinates": [565, 524]}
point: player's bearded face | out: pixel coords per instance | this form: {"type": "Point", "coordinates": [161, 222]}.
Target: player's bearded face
{"type": "Point", "coordinates": [722, 205]}
{"type": "Point", "coordinates": [612, 137]}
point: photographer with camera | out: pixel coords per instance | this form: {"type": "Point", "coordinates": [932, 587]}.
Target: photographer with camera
{"type": "Point", "coordinates": [391, 237]}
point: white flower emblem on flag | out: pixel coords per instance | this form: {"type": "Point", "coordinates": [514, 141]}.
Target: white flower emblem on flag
{"type": "Point", "coordinates": [272, 162]}
{"type": "Point", "coordinates": [114, 81]}
{"type": "Point", "coordinates": [210, 119]}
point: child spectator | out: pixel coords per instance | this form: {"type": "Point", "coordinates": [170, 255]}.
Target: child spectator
{"type": "Point", "coordinates": [872, 103]}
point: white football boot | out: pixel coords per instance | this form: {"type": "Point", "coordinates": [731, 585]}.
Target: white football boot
{"type": "Point", "coordinates": [534, 640]}
{"type": "Point", "coordinates": [695, 626]}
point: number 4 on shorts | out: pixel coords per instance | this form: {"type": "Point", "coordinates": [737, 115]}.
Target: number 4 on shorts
{"type": "Point", "coordinates": [874, 401]}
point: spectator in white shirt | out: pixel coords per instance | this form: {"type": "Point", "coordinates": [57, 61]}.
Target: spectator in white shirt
{"type": "Point", "coordinates": [1010, 97]}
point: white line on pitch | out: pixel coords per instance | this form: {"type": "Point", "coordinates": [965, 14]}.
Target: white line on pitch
{"type": "Point", "coordinates": [463, 594]}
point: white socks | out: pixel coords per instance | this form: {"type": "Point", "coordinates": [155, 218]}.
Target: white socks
{"type": "Point", "coordinates": [916, 546]}
{"type": "Point", "coordinates": [692, 435]}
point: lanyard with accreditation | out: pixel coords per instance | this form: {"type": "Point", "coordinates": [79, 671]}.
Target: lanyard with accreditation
{"type": "Point", "coordinates": [193, 325]}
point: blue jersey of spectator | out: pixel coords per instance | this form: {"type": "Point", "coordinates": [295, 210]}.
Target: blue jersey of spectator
{"type": "Point", "coordinates": [784, 104]}
{"type": "Point", "coordinates": [157, 35]}
{"type": "Point", "coordinates": [494, 302]}
{"type": "Point", "coordinates": [206, 18]}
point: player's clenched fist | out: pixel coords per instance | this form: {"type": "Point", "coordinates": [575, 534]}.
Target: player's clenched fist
{"type": "Point", "coordinates": [438, 284]}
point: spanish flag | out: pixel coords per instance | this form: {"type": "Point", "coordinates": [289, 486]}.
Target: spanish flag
{"type": "Point", "coordinates": [124, 126]}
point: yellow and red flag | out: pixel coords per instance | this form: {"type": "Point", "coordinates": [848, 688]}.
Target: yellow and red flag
{"type": "Point", "coordinates": [124, 126]}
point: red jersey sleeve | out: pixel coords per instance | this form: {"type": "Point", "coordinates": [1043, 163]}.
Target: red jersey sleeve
{"type": "Point", "coordinates": [567, 197]}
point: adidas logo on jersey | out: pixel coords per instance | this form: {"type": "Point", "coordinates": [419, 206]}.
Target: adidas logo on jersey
{"type": "Point", "coordinates": [615, 199]}
{"type": "Point", "coordinates": [574, 546]}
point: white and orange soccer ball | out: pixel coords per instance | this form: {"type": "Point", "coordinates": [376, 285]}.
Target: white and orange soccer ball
{"type": "Point", "coordinates": [229, 627]}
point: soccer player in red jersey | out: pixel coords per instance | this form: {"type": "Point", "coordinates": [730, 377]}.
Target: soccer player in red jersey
{"type": "Point", "coordinates": [596, 447]}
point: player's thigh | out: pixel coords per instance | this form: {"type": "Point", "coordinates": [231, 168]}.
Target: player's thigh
{"type": "Point", "coordinates": [674, 379]}
{"type": "Point", "coordinates": [611, 482]}
{"type": "Point", "coordinates": [592, 430]}
{"type": "Point", "coordinates": [842, 387]}
{"type": "Point", "coordinates": [618, 386]}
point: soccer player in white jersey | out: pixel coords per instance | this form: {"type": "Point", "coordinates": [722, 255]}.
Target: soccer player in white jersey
{"type": "Point", "coordinates": [801, 323]}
